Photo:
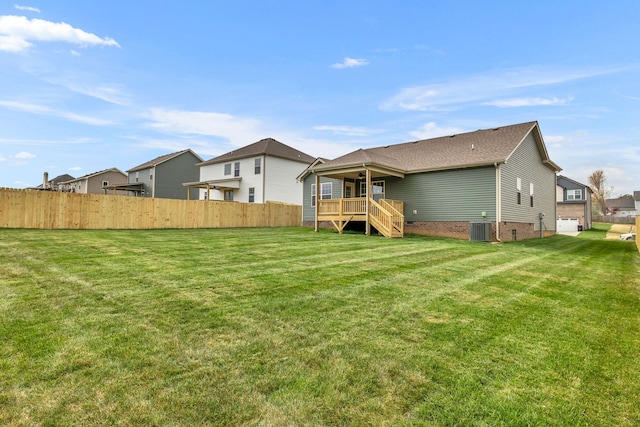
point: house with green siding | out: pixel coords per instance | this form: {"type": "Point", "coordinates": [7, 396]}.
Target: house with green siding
{"type": "Point", "coordinates": [493, 184]}
{"type": "Point", "coordinates": [163, 176]}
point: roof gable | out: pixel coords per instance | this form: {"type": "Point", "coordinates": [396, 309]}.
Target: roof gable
{"type": "Point", "coordinates": [95, 174]}
{"type": "Point", "coordinates": [162, 159]}
{"type": "Point", "coordinates": [565, 182]}
{"type": "Point", "coordinates": [267, 146]}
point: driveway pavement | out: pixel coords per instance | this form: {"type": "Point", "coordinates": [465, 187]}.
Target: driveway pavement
{"type": "Point", "coordinates": [570, 233]}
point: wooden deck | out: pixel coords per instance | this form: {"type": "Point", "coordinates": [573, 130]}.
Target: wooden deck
{"type": "Point", "coordinates": [385, 215]}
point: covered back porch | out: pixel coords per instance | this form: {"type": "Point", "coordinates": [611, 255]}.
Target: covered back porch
{"type": "Point", "coordinates": [367, 205]}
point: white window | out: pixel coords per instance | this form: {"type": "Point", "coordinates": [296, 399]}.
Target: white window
{"type": "Point", "coordinates": [257, 166]}
{"type": "Point", "coordinates": [325, 192]}
{"type": "Point", "coordinates": [105, 183]}
{"type": "Point", "coordinates": [227, 169]}
{"type": "Point", "coordinates": [137, 176]}
{"type": "Point", "coordinates": [531, 188]}
{"type": "Point", "coordinates": [518, 184]}
{"type": "Point", "coordinates": [228, 195]}
{"type": "Point", "coordinates": [377, 190]}
{"type": "Point", "coordinates": [574, 194]}
{"type": "Point", "coordinates": [252, 194]}
{"type": "Point", "coordinates": [236, 169]}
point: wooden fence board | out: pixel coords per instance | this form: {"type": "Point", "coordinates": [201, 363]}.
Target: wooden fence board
{"type": "Point", "coordinates": [54, 210]}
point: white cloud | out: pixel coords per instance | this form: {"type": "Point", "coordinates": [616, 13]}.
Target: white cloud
{"type": "Point", "coordinates": [432, 130]}
{"type": "Point", "coordinates": [350, 63]}
{"type": "Point", "coordinates": [347, 130]}
{"type": "Point", "coordinates": [528, 102]}
{"type": "Point", "coordinates": [75, 168]}
{"type": "Point", "coordinates": [40, 109]}
{"type": "Point", "coordinates": [24, 155]}
{"type": "Point", "coordinates": [17, 32]}
{"type": "Point", "coordinates": [482, 88]}
{"type": "Point", "coordinates": [113, 94]}
{"type": "Point", "coordinates": [238, 131]}
{"type": "Point", "coordinates": [27, 8]}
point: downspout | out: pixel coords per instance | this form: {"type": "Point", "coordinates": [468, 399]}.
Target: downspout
{"type": "Point", "coordinates": [498, 200]}
{"type": "Point", "coordinates": [317, 201]}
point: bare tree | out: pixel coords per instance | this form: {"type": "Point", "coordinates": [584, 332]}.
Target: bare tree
{"type": "Point", "coordinates": [601, 193]}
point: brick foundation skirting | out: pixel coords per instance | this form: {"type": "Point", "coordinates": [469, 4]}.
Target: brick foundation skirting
{"type": "Point", "coordinates": [455, 229]}
{"type": "Point", "coordinates": [509, 231]}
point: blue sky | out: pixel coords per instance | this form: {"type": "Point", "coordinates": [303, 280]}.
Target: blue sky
{"type": "Point", "coordinates": [86, 86]}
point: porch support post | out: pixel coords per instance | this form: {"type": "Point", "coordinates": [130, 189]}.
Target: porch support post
{"type": "Point", "coordinates": [368, 224]}
{"type": "Point", "coordinates": [317, 202]}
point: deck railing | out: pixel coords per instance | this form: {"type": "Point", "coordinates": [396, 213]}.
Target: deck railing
{"type": "Point", "coordinates": [386, 215]}
{"type": "Point", "coordinates": [395, 208]}
{"type": "Point", "coordinates": [352, 206]}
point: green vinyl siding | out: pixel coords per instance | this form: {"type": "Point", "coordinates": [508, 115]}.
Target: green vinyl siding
{"type": "Point", "coordinates": [453, 195]}
{"type": "Point", "coordinates": [526, 163]}
{"type": "Point", "coordinates": [170, 175]}
{"type": "Point", "coordinates": [308, 211]}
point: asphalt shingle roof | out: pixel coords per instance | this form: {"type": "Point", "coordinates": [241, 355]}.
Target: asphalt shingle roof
{"type": "Point", "coordinates": [267, 146]}
{"type": "Point", "coordinates": [161, 159]}
{"type": "Point", "coordinates": [482, 147]}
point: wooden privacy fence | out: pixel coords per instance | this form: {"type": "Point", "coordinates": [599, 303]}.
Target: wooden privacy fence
{"type": "Point", "coordinates": [52, 210]}
{"type": "Point", "coordinates": [637, 228]}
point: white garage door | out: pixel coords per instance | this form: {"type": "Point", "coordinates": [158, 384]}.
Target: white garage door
{"type": "Point", "coordinates": [567, 224]}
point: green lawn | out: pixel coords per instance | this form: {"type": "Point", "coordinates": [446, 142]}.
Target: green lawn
{"type": "Point", "coordinates": [291, 327]}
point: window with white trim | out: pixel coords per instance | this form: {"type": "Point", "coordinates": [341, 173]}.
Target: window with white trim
{"type": "Point", "coordinates": [227, 169]}
{"type": "Point", "coordinates": [574, 194]}
{"type": "Point", "coordinates": [519, 191]}
{"type": "Point", "coordinates": [236, 169]}
{"type": "Point", "coordinates": [325, 192]}
{"type": "Point", "coordinates": [228, 195]}
{"type": "Point", "coordinates": [257, 166]}
{"type": "Point", "coordinates": [377, 188]}
{"type": "Point", "coordinates": [531, 194]}
{"type": "Point", "coordinates": [252, 194]}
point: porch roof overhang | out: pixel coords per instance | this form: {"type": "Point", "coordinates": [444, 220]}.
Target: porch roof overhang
{"type": "Point", "coordinates": [216, 184]}
{"type": "Point", "coordinates": [131, 186]}
{"type": "Point", "coordinates": [355, 171]}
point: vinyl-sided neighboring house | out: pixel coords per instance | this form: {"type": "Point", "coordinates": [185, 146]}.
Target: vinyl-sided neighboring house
{"type": "Point", "coordinates": [263, 171]}
{"type": "Point", "coordinates": [574, 205]}
{"type": "Point", "coordinates": [492, 184]}
{"type": "Point", "coordinates": [54, 184]}
{"type": "Point", "coordinates": [95, 183]}
{"type": "Point", "coordinates": [621, 206]}
{"type": "Point", "coordinates": [163, 176]}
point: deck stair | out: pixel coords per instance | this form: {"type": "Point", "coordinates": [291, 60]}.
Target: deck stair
{"type": "Point", "coordinates": [385, 215]}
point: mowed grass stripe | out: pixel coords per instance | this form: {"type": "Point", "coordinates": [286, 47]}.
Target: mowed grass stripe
{"type": "Point", "coordinates": [147, 328]}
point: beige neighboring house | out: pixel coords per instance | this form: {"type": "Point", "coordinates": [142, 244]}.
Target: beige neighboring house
{"type": "Point", "coordinates": [95, 183]}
